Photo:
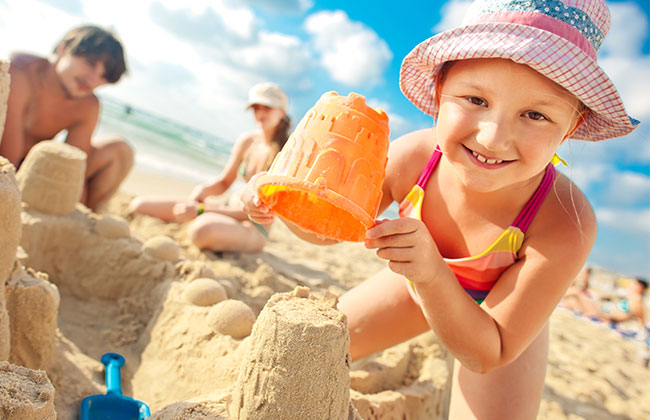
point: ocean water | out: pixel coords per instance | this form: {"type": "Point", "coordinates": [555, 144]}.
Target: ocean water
{"type": "Point", "coordinates": [164, 147]}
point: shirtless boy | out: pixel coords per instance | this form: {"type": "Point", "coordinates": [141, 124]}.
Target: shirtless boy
{"type": "Point", "coordinates": [49, 95]}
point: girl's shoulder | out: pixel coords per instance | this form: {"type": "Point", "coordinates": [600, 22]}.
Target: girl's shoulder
{"type": "Point", "coordinates": [409, 150]}
{"type": "Point", "coordinates": [565, 226]}
{"type": "Point", "coordinates": [407, 157]}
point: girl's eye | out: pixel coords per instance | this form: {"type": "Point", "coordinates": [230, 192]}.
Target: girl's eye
{"type": "Point", "coordinates": [474, 100]}
{"type": "Point", "coordinates": [535, 116]}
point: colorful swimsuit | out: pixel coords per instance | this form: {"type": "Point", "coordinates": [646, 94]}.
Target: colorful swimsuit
{"type": "Point", "coordinates": [479, 273]}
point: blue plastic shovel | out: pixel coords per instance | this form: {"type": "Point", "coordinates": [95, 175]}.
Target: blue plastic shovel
{"type": "Point", "coordinates": [113, 405]}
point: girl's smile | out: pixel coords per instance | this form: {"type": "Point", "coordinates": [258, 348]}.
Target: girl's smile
{"type": "Point", "coordinates": [485, 161]}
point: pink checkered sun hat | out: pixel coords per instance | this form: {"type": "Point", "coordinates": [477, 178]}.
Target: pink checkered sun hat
{"type": "Point", "coordinates": [557, 38]}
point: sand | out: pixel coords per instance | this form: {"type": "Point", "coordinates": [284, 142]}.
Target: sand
{"type": "Point", "coordinates": [227, 336]}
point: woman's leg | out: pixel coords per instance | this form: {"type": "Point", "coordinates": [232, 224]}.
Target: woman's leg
{"type": "Point", "coordinates": [219, 232]}
{"type": "Point", "coordinates": [513, 391]}
{"type": "Point", "coordinates": [381, 313]}
{"type": "Point", "coordinates": [156, 206]}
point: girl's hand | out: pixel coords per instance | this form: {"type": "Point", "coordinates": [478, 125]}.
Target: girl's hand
{"type": "Point", "coordinates": [407, 245]}
{"type": "Point", "coordinates": [199, 193]}
{"type": "Point", "coordinates": [257, 211]}
{"type": "Point", "coordinates": [184, 212]}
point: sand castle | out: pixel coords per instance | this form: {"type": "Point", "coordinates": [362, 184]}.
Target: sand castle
{"type": "Point", "coordinates": [189, 339]}
{"type": "Point", "coordinates": [78, 284]}
{"type": "Point", "coordinates": [297, 366]}
{"type": "Point", "coordinates": [4, 92]}
{"type": "Point", "coordinates": [25, 391]}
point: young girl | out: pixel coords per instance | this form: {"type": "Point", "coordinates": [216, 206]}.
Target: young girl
{"type": "Point", "coordinates": [221, 227]}
{"type": "Point", "coordinates": [491, 235]}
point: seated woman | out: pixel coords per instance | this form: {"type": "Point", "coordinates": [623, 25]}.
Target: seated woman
{"type": "Point", "coordinates": [580, 298]}
{"type": "Point", "coordinates": [225, 227]}
{"type": "Point", "coordinates": [631, 307]}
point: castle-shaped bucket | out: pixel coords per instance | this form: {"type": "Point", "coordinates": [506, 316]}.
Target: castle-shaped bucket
{"type": "Point", "coordinates": [327, 179]}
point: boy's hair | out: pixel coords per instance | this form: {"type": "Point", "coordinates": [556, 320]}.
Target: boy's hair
{"type": "Point", "coordinates": [96, 44]}
{"type": "Point", "coordinates": [643, 281]}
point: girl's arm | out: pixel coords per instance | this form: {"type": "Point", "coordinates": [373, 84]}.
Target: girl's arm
{"type": "Point", "coordinates": [556, 246]}
{"type": "Point", "coordinates": [229, 172]}
{"type": "Point", "coordinates": [496, 332]}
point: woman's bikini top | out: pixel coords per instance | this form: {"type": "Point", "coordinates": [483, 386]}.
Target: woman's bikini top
{"type": "Point", "coordinates": [479, 273]}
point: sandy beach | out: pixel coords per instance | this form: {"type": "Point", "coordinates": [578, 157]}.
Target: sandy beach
{"type": "Point", "coordinates": [191, 324]}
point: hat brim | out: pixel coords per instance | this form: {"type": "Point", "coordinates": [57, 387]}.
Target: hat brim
{"type": "Point", "coordinates": [549, 54]}
{"type": "Point", "coordinates": [263, 102]}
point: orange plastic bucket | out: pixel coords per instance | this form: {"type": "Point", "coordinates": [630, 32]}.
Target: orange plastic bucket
{"type": "Point", "coordinates": [327, 178]}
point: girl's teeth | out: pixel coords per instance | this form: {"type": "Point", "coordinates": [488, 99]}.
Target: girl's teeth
{"type": "Point", "coordinates": [485, 160]}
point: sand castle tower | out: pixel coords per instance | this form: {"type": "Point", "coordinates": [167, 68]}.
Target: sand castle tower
{"type": "Point", "coordinates": [9, 237]}
{"type": "Point", "coordinates": [297, 366]}
{"type": "Point", "coordinates": [4, 93]}
{"type": "Point", "coordinates": [328, 177]}
{"type": "Point", "coordinates": [25, 394]}
{"type": "Point", "coordinates": [52, 177]}
{"type": "Point", "coordinates": [9, 215]}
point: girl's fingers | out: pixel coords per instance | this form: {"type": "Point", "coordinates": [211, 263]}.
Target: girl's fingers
{"type": "Point", "coordinates": [392, 227]}
{"type": "Point", "coordinates": [400, 240]}
{"type": "Point", "coordinates": [396, 254]}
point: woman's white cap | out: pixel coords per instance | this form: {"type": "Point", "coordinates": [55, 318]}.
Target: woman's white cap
{"type": "Point", "coordinates": [268, 94]}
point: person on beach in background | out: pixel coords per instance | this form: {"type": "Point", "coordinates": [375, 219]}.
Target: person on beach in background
{"type": "Point", "coordinates": [225, 227]}
{"type": "Point", "coordinates": [579, 297]}
{"type": "Point", "coordinates": [490, 234]}
{"type": "Point", "coordinates": [49, 95]}
{"type": "Point", "coordinates": [628, 308]}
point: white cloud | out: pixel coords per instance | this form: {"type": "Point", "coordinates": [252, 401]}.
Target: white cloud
{"type": "Point", "coordinates": [636, 222]}
{"type": "Point", "coordinates": [628, 188]}
{"type": "Point", "coordinates": [277, 55]}
{"type": "Point", "coordinates": [351, 52]}
{"type": "Point", "coordinates": [212, 27]}
{"type": "Point", "coordinates": [586, 175]}
{"type": "Point", "coordinates": [622, 59]}
{"type": "Point", "coordinates": [452, 14]}
{"type": "Point", "coordinates": [627, 32]}
{"type": "Point", "coordinates": [631, 76]}
{"type": "Point", "coordinates": [281, 6]}
{"type": "Point", "coordinates": [18, 18]}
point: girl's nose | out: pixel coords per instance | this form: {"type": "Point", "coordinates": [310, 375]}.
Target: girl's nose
{"type": "Point", "coordinates": [494, 135]}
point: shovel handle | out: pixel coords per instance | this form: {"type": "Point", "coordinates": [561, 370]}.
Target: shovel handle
{"type": "Point", "coordinates": [113, 363]}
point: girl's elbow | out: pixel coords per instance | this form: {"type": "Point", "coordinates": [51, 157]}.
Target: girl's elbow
{"type": "Point", "coordinates": [486, 362]}
{"type": "Point", "coordinates": [480, 366]}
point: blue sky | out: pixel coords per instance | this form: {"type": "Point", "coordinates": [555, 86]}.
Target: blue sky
{"type": "Point", "coordinates": [194, 60]}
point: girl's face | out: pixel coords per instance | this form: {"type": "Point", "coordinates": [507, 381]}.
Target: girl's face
{"type": "Point", "coordinates": [500, 122]}
{"type": "Point", "coordinates": [267, 117]}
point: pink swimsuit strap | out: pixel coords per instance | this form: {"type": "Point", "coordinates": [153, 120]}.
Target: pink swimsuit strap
{"type": "Point", "coordinates": [527, 214]}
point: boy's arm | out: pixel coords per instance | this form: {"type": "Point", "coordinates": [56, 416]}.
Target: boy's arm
{"type": "Point", "coordinates": [80, 133]}
{"type": "Point", "coordinates": [12, 144]}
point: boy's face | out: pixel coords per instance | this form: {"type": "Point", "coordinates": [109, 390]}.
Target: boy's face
{"type": "Point", "coordinates": [78, 76]}
{"type": "Point", "coordinates": [500, 122]}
